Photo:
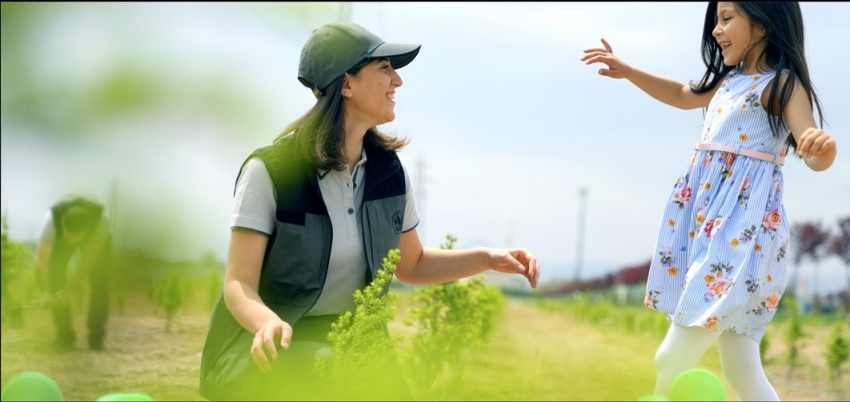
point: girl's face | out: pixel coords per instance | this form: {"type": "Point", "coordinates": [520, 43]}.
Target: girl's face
{"type": "Point", "coordinates": [369, 94]}
{"type": "Point", "coordinates": [735, 34]}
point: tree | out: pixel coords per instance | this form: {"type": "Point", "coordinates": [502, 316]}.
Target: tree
{"type": "Point", "coordinates": [169, 296]}
{"type": "Point", "coordinates": [840, 246]}
{"type": "Point", "coordinates": [810, 241]}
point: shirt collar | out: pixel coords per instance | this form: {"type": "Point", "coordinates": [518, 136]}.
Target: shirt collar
{"type": "Point", "coordinates": [324, 172]}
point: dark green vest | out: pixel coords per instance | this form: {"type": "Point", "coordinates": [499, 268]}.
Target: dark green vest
{"type": "Point", "coordinates": [298, 251]}
{"type": "Point", "coordinates": [62, 250]}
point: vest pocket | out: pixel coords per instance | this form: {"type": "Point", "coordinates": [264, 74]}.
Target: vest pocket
{"type": "Point", "coordinates": [294, 268]}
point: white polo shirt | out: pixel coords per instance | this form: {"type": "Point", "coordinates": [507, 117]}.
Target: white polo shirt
{"type": "Point", "coordinates": [254, 208]}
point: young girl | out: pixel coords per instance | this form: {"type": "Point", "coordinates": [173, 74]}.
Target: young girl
{"type": "Point", "coordinates": [719, 266]}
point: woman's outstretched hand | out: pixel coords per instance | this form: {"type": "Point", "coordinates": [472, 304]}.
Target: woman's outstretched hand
{"type": "Point", "coordinates": [264, 342]}
{"type": "Point", "coordinates": [516, 261]}
{"type": "Point", "coordinates": [616, 67]}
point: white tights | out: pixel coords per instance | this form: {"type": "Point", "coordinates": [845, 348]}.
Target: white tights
{"type": "Point", "coordinates": [683, 347]}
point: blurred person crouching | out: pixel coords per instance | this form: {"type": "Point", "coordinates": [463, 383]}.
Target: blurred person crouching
{"type": "Point", "coordinates": [75, 243]}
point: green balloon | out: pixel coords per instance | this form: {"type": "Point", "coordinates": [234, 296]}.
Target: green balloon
{"type": "Point", "coordinates": [31, 386]}
{"type": "Point", "coordinates": [124, 396]}
{"type": "Point", "coordinates": [697, 385]}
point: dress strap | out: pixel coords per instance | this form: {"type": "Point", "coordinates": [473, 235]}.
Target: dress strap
{"type": "Point", "coordinates": [778, 160]}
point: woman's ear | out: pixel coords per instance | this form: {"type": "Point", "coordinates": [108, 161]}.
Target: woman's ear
{"type": "Point", "coordinates": [346, 86]}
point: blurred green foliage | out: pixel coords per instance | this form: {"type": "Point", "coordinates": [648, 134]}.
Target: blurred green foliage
{"type": "Point", "coordinates": [17, 261]}
{"type": "Point", "coordinates": [169, 295]}
{"type": "Point", "coordinates": [590, 306]}
{"type": "Point", "coordinates": [793, 332]}
{"type": "Point", "coordinates": [837, 352]}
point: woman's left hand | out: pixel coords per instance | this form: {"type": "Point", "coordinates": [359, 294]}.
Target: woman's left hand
{"type": "Point", "coordinates": [516, 261]}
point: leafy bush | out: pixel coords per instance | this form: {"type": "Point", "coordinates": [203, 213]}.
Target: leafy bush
{"type": "Point", "coordinates": [452, 319]}
{"type": "Point", "coordinates": [362, 347]}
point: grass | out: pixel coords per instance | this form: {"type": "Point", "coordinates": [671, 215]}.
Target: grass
{"type": "Point", "coordinates": [539, 351]}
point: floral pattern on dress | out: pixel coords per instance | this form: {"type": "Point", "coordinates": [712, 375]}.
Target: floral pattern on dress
{"type": "Point", "coordinates": [726, 158]}
{"type": "Point", "coordinates": [717, 281]}
{"type": "Point", "coordinates": [682, 194]}
{"type": "Point", "coordinates": [724, 258]}
{"type": "Point", "coordinates": [780, 254]}
{"type": "Point", "coordinates": [746, 235]}
{"type": "Point", "coordinates": [651, 299]}
{"type": "Point", "coordinates": [752, 285]}
{"type": "Point", "coordinates": [711, 322]}
{"type": "Point", "coordinates": [752, 99]}
{"type": "Point", "coordinates": [744, 192]}
{"type": "Point", "coordinates": [771, 221]}
{"type": "Point", "coordinates": [767, 305]}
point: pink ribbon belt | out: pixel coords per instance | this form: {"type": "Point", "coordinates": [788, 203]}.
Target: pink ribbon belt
{"type": "Point", "coordinates": [779, 160]}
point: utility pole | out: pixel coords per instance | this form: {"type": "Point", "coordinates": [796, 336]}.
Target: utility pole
{"type": "Point", "coordinates": [345, 11]}
{"type": "Point", "coordinates": [113, 209]}
{"type": "Point", "coordinates": [420, 193]}
{"type": "Point", "coordinates": [582, 207]}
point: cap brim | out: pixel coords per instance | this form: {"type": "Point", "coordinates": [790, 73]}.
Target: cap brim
{"type": "Point", "coordinates": [400, 54]}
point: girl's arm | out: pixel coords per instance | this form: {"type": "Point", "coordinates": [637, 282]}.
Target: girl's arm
{"type": "Point", "coordinates": [241, 280]}
{"type": "Point", "coordinates": [665, 90]}
{"type": "Point", "coordinates": [421, 266]}
{"type": "Point", "coordinates": [817, 148]}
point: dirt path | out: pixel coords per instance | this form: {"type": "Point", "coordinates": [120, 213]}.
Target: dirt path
{"type": "Point", "coordinates": [140, 356]}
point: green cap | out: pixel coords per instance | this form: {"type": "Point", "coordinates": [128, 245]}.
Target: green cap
{"type": "Point", "coordinates": [334, 48]}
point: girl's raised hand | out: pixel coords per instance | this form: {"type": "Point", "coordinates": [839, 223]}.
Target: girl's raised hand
{"type": "Point", "coordinates": [616, 67]}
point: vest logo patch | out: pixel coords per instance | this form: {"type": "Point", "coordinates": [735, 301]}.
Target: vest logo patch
{"type": "Point", "coordinates": [398, 219]}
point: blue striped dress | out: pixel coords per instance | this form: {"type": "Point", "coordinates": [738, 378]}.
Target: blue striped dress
{"type": "Point", "coordinates": [720, 257]}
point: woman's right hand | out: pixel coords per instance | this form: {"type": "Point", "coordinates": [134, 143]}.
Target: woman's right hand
{"type": "Point", "coordinates": [264, 342]}
{"type": "Point", "coordinates": [616, 67]}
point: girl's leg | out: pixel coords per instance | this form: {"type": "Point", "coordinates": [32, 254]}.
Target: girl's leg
{"type": "Point", "coordinates": [681, 350]}
{"type": "Point", "coordinates": [741, 362]}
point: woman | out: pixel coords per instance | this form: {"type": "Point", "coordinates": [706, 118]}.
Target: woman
{"type": "Point", "coordinates": [314, 215]}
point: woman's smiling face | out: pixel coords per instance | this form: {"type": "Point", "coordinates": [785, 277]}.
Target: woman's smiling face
{"type": "Point", "coordinates": [369, 94]}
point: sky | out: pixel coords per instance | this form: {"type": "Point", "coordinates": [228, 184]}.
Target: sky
{"type": "Point", "coordinates": [507, 125]}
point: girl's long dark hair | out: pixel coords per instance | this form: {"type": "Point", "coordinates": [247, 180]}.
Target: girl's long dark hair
{"type": "Point", "coordinates": [784, 51]}
{"type": "Point", "coordinates": [320, 133]}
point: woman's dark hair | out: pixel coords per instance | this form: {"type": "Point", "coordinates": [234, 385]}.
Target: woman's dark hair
{"type": "Point", "coordinates": [320, 133]}
{"type": "Point", "coordinates": [784, 51]}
